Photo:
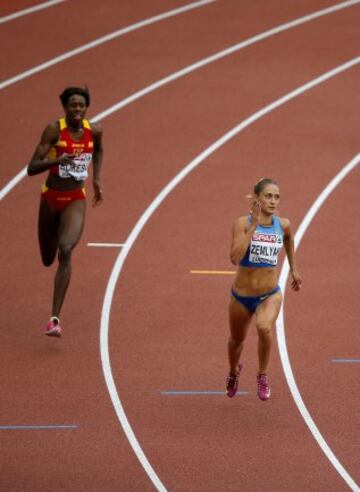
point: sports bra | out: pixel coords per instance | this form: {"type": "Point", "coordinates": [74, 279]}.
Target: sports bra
{"type": "Point", "coordinates": [265, 245]}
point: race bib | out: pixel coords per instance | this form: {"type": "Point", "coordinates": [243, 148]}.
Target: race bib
{"type": "Point", "coordinates": [78, 170]}
{"type": "Point", "coordinates": [264, 248]}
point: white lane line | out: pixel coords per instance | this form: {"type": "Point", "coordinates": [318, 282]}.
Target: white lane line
{"type": "Point", "coordinates": [190, 68]}
{"type": "Point", "coordinates": [119, 263]}
{"type": "Point", "coordinates": [222, 54]}
{"type": "Point", "coordinates": [12, 183]}
{"type": "Point", "coordinates": [110, 383]}
{"type": "Point", "coordinates": [122, 257]}
{"type": "Point", "coordinates": [21, 174]}
{"type": "Point", "coordinates": [280, 329]}
{"type": "Point", "coordinates": [107, 245]}
{"type": "Point", "coordinates": [217, 56]}
{"type": "Point", "coordinates": [29, 10]}
{"type": "Point", "coordinates": [102, 40]}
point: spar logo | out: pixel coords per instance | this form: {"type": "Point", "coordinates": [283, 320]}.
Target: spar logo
{"type": "Point", "coordinates": [265, 247]}
{"type": "Point", "coordinates": [265, 238]}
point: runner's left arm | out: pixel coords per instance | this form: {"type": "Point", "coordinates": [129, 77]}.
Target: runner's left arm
{"type": "Point", "coordinates": [290, 253]}
{"type": "Point", "coordinates": [97, 163]}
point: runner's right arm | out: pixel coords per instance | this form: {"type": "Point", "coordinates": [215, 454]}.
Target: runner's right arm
{"type": "Point", "coordinates": [242, 234]}
{"type": "Point", "coordinates": [38, 162]}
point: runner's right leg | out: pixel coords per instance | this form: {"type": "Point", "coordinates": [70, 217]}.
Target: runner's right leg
{"type": "Point", "coordinates": [239, 319]}
{"type": "Point", "coordinates": [48, 233]}
{"type": "Point", "coordinates": [48, 240]}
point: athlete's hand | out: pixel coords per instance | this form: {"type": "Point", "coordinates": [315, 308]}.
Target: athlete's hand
{"type": "Point", "coordinates": [296, 281]}
{"type": "Point", "coordinates": [67, 160]}
{"type": "Point", "coordinates": [256, 212]}
{"type": "Point", "coordinates": [98, 194]}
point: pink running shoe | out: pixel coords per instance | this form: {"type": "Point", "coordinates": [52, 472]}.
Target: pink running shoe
{"type": "Point", "coordinates": [53, 328]}
{"type": "Point", "coordinates": [263, 387]}
{"type": "Point", "coordinates": [232, 382]}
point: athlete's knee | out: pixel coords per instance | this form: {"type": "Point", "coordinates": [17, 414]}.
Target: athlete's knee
{"type": "Point", "coordinates": [65, 251]}
{"type": "Point", "coordinates": [263, 329]}
{"type": "Point", "coordinates": [237, 340]}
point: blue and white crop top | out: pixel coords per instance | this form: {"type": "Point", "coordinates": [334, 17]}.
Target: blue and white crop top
{"type": "Point", "coordinates": [265, 245]}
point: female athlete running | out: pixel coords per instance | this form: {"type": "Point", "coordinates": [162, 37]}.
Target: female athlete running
{"type": "Point", "coordinates": [256, 243]}
{"type": "Point", "coordinates": [66, 149]}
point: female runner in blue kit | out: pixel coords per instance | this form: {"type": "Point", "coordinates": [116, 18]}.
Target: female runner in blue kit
{"type": "Point", "coordinates": [256, 243]}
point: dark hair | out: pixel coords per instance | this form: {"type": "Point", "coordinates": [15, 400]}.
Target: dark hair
{"type": "Point", "coordinates": [70, 91]}
{"type": "Point", "coordinates": [260, 185]}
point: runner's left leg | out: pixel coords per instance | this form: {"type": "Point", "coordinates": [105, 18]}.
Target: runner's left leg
{"type": "Point", "coordinates": [266, 315]}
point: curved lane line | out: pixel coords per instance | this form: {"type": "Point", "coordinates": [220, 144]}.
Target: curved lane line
{"type": "Point", "coordinates": [147, 214]}
{"type": "Point", "coordinates": [190, 68]}
{"type": "Point", "coordinates": [110, 289]}
{"type": "Point", "coordinates": [280, 328]}
{"type": "Point", "coordinates": [224, 53]}
{"type": "Point", "coordinates": [102, 40]}
{"type": "Point", "coordinates": [29, 10]}
{"type": "Point", "coordinates": [138, 25]}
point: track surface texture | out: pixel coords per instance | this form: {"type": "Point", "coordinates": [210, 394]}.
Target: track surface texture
{"type": "Point", "coordinates": [163, 328]}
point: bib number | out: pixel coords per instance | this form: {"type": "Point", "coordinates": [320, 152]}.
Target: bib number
{"type": "Point", "coordinates": [264, 248]}
{"type": "Point", "coordinates": [78, 170]}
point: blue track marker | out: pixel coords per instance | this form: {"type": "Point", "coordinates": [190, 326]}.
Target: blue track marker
{"type": "Point", "coordinates": [36, 427]}
{"type": "Point", "coordinates": [345, 360]}
{"type": "Point", "coordinates": [182, 393]}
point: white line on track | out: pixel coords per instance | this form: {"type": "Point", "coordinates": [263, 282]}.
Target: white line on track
{"type": "Point", "coordinates": [12, 183]}
{"type": "Point", "coordinates": [115, 274]}
{"type": "Point", "coordinates": [191, 68]}
{"type": "Point", "coordinates": [223, 54]}
{"type": "Point", "coordinates": [104, 349]}
{"type": "Point", "coordinates": [102, 40]}
{"type": "Point", "coordinates": [107, 245]}
{"type": "Point", "coordinates": [29, 10]}
{"type": "Point", "coordinates": [280, 328]}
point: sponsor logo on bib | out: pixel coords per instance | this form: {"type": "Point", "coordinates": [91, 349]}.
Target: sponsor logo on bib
{"type": "Point", "coordinates": [265, 247]}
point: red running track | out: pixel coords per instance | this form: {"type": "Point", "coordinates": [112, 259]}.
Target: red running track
{"type": "Point", "coordinates": [168, 328]}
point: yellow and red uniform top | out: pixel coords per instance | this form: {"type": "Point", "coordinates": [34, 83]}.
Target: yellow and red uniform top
{"type": "Point", "coordinates": [65, 145]}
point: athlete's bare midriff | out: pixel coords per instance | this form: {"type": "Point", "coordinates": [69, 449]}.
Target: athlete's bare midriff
{"type": "Point", "coordinates": [255, 281]}
{"type": "Point", "coordinates": [54, 182]}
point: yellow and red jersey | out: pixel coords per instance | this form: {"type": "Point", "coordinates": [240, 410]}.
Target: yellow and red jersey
{"type": "Point", "coordinates": [66, 145]}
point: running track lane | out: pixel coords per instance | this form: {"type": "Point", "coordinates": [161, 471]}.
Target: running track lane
{"type": "Point", "coordinates": [138, 228]}
{"type": "Point", "coordinates": [281, 327]}
{"type": "Point", "coordinates": [52, 27]}
{"type": "Point", "coordinates": [180, 73]}
{"type": "Point", "coordinates": [26, 11]}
